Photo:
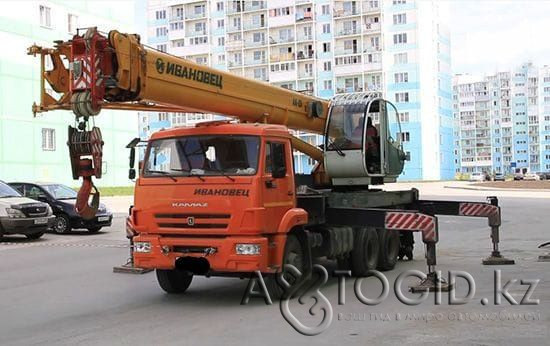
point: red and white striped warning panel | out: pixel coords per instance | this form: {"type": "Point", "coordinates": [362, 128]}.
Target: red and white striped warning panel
{"type": "Point", "coordinates": [83, 78]}
{"type": "Point", "coordinates": [407, 221]}
{"type": "Point", "coordinates": [477, 209]}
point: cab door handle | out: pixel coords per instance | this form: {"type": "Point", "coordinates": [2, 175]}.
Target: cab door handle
{"type": "Point", "coordinates": [270, 184]}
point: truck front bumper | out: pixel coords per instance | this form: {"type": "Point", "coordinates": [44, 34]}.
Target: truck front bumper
{"type": "Point", "coordinates": [220, 252]}
{"type": "Point", "coordinates": [26, 225]}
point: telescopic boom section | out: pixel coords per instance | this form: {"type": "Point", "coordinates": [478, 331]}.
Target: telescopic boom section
{"type": "Point", "coordinates": [117, 72]}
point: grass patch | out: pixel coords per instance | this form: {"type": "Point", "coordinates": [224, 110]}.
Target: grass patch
{"type": "Point", "coordinates": [107, 191]}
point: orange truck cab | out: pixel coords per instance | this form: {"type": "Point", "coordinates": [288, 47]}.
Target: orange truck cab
{"type": "Point", "coordinates": [216, 198]}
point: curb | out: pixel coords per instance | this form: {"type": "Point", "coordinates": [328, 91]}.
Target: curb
{"type": "Point", "coordinates": [494, 189]}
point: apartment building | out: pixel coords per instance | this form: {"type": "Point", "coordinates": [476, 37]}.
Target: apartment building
{"type": "Point", "coordinates": [398, 47]}
{"type": "Point", "coordinates": [502, 121]}
{"type": "Point", "coordinates": [35, 149]}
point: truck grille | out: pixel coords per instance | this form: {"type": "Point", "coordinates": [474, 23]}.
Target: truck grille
{"type": "Point", "coordinates": [193, 221]}
{"type": "Point", "coordinates": [34, 209]}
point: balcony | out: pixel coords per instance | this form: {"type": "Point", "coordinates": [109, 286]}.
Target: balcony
{"type": "Point", "coordinates": [345, 13]}
{"type": "Point", "coordinates": [367, 8]}
{"type": "Point", "coordinates": [234, 45]}
{"type": "Point", "coordinates": [280, 40]}
{"type": "Point", "coordinates": [175, 18]}
{"type": "Point", "coordinates": [303, 38]}
{"type": "Point", "coordinates": [348, 32]}
{"type": "Point", "coordinates": [371, 27]}
{"type": "Point", "coordinates": [251, 62]}
{"type": "Point", "coordinates": [197, 33]}
{"type": "Point", "coordinates": [255, 26]}
{"type": "Point", "coordinates": [233, 64]}
{"type": "Point", "coordinates": [252, 44]}
{"type": "Point", "coordinates": [193, 16]}
{"type": "Point", "coordinates": [249, 6]}
{"type": "Point", "coordinates": [233, 28]}
{"type": "Point", "coordinates": [304, 16]}
{"type": "Point", "coordinates": [306, 55]}
{"type": "Point", "coordinates": [305, 74]}
{"type": "Point", "coordinates": [345, 90]}
{"type": "Point", "coordinates": [282, 57]}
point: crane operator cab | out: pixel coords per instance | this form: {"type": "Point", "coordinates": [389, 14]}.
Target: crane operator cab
{"type": "Point", "coordinates": [359, 141]}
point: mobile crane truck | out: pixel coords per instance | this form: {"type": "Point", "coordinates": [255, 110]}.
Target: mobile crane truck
{"type": "Point", "coordinates": [222, 198]}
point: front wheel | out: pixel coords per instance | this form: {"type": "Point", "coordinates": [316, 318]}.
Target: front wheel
{"type": "Point", "coordinates": [34, 235]}
{"type": "Point", "coordinates": [174, 281]}
{"type": "Point", "coordinates": [62, 224]}
{"type": "Point", "coordinates": [293, 255]}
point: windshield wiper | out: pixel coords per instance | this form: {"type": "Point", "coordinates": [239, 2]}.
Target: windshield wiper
{"type": "Point", "coordinates": [336, 148]}
{"type": "Point", "coordinates": [224, 173]}
{"type": "Point", "coordinates": [190, 173]}
{"type": "Point", "coordinates": [166, 174]}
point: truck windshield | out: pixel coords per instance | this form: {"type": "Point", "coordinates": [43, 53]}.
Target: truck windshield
{"type": "Point", "coordinates": [203, 155]}
{"type": "Point", "coordinates": [7, 191]}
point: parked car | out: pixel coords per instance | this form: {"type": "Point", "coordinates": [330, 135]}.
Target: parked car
{"type": "Point", "coordinates": [518, 176]}
{"type": "Point", "coordinates": [21, 215]}
{"type": "Point", "coordinates": [499, 177]}
{"type": "Point", "coordinates": [62, 199]}
{"type": "Point", "coordinates": [478, 176]}
{"type": "Point", "coordinates": [531, 176]}
{"type": "Point", "coordinates": [544, 175]}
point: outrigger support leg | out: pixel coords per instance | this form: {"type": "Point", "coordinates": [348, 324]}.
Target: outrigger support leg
{"type": "Point", "coordinates": [433, 282]}
{"type": "Point", "coordinates": [494, 221]}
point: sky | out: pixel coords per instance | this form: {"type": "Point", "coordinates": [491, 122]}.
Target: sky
{"type": "Point", "coordinates": [494, 35]}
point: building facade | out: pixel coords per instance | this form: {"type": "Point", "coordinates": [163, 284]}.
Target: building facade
{"type": "Point", "coordinates": [398, 47]}
{"type": "Point", "coordinates": [502, 121]}
{"type": "Point", "coordinates": [34, 149]}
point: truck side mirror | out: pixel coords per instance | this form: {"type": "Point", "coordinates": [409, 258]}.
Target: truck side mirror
{"type": "Point", "coordinates": [131, 174]}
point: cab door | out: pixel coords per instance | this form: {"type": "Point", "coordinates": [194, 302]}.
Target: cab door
{"type": "Point", "coordinates": [277, 182]}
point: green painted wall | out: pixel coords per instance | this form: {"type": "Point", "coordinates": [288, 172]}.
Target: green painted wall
{"type": "Point", "coordinates": [21, 154]}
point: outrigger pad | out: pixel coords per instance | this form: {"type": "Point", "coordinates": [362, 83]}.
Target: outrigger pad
{"type": "Point", "coordinates": [544, 258]}
{"type": "Point", "coordinates": [497, 259]}
{"type": "Point", "coordinates": [128, 268]}
{"type": "Point", "coordinates": [431, 284]}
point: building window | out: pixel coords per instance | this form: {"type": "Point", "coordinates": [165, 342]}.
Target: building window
{"type": "Point", "coordinates": [221, 23]}
{"type": "Point", "coordinates": [327, 66]}
{"type": "Point", "coordinates": [325, 10]}
{"type": "Point", "coordinates": [72, 23]}
{"type": "Point", "coordinates": [400, 38]}
{"type": "Point", "coordinates": [45, 16]}
{"type": "Point", "coordinates": [326, 47]}
{"type": "Point", "coordinates": [160, 14]}
{"type": "Point", "coordinates": [161, 47]}
{"type": "Point", "coordinates": [163, 116]}
{"type": "Point", "coordinates": [400, 18]}
{"type": "Point", "coordinates": [404, 136]}
{"type": "Point", "coordinates": [221, 59]}
{"type": "Point", "coordinates": [162, 31]}
{"type": "Point", "coordinates": [48, 139]}
{"type": "Point", "coordinates": [327, 85]}
{"type": "Point", "coordinates": [219, 6]}
{"type": "Point", "coordinates": [399, 2]}
{"type": "Point", "coordinates": [221, 41]}
{"type": "Point", "coordinates": [326, 28]}
{"type": "Point", "coordinates": [402, 97]}
{"type": "Point", "coordinates": [400, 58]}
{"type": "Point", "coordinates": [404, 117]}
{"type": "Point", "coordinates": [401, 77]}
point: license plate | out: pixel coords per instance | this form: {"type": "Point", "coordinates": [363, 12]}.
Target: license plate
{"type": "Point", "coordinates": [102, 218]}
{"type": "Point", "coordinates": [41, 221]}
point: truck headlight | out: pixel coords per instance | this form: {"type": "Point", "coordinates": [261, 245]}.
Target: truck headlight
{"type": "Point", "coordinates": [247, 249]}
{"type": "Point", "coordinates": [14, 213]}
{"type": "Point", "coordinates": [142, 246]}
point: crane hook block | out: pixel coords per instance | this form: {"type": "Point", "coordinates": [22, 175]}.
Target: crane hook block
{"type": "Point", "coordinates": [86, 152]}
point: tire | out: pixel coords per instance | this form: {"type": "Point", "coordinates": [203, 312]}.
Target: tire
{"type": "Point", "coordinates": [293, 255]}
{"type": "Point", "coordinates": [406, 246]}
{"type": "Point", "coordinates": [364, 256]}
{"type": "Point", "coordinates": [389, 248]}
{"type": "Point", "coordinates": [94, 229]}
{"type": "Point", "coordinates": [62, 224]}
{"type": "Point", "coordinates": [34, 235]}
{"type": "Point", "coordinates": [174, 281]}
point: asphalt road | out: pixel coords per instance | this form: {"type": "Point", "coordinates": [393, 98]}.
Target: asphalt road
{"type": "Point", "coordinates": [61, 290]}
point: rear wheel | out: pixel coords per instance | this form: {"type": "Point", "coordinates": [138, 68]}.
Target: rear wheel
{"type": "Point", "coordinates": [364, 256]}
{"type": "Point", "coordinates": [174, 281]}
{"type": "Point", "coordinates": [389, 248]}
{"type": "Point", "coordinates": [293, 255]}
{"type": "Point", "coordinates": [34, 235]}
{"type": "Point", "coordinates": [62, 224]}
